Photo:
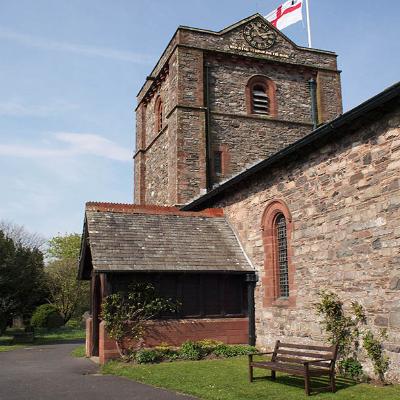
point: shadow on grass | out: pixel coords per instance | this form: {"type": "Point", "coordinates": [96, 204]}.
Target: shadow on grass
{"type": "Point", "coordinates": [317, 383]}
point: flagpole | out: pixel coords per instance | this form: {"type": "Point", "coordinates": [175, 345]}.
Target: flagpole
{"type": "Point", "coordinates": [308, 24]}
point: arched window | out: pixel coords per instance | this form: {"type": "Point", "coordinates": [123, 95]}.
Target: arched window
{"type": "Point", "coordinates": [261, 96]}
{"type": "Point", "coordinates": [158, 114]}
{"type": "Point", "coordinates": [278, 280]}
{"type": "Point", "coordinates": [282, 255]}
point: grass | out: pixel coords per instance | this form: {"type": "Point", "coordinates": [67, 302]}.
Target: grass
{"type": "Point", "coordinates": [228, 380]}
{"type": "Point", "coordinates": [79, 352]}
{"type": "Point", "coordinates": [43, 336]}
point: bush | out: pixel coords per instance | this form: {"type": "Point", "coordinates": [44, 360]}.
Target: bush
{"type": "Point", "coordinates": [167, 352]}
{"type": "Point", "coordinates": [374, 347]}
{"type": "Point", "coordinates": [191, 351]}
{"type": "Point", "coordinates": [148, 356]}
{"type": "Point", "coordinates": [351, 368]}
{"type": "Point", "coordinates": [208, 345]}
{"type": "Point", "coordinates": [227, 351]}
{"type": "Point", "coordinates": [46, 316]}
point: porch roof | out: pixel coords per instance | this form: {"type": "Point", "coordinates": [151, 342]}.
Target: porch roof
{"type": "Point", "coordinates": [129, 238]}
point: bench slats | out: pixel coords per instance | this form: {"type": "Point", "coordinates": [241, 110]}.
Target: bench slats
{"type": "Point", "coordinates": [303, 354]}
{"type": "Point", "coordinates": [300, 361]}
{"type": "Point", "coordinates": [290, 368]}
{"type": "Point", "coordinates": [307, 347]}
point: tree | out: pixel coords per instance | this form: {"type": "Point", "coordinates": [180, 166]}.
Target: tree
{"type": "Point", "coordinates": [20, 236]}
{"type": "Point", "coordinates": [66, 293]}
{"type": "Point", "coordinates": [65, 247]}
{"type": "Point", "coordinates": [21, 278]}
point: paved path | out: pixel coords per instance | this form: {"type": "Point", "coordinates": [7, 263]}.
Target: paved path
{"type": "Point", "coordinates": [51, 373]}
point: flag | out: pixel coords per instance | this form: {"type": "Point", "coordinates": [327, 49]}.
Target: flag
{"type": "Point", "coordinates": [286, 14]}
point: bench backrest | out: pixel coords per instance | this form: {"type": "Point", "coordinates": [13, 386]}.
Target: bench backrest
{"type": "Point", "coordinates": [298, 353]}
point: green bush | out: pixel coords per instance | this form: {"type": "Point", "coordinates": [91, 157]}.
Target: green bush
{"type": "Point", "coordinates": [148, 356]}
{"type": "Point", "coordinates": [374, 347]}
{"type": "Point", "coordinates": [46, 316]}
{"type": "Point", "coordinates": [208, 346]}
{"type": "Point", "coordinates": [351, 368]}
{"type": "Point", "coordinates": [167, 352]}
{"type": "Point", "coordinates": [226, 351]}
{"type": "Point", "coordinates": [191, 351]}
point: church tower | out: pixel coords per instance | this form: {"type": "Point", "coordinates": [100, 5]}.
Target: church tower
{"type": "Point", "coordinates": [218, 102]}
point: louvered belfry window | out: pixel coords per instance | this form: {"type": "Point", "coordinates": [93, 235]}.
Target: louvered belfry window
{"type": "Point", "coordinates": [282, 255]}
{"type": "Point", "coordinates": [260, 100]}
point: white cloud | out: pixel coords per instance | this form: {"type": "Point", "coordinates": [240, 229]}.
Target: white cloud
{"type": "Point", "coordinates": [16, 108]}
{"type": "Point", "coordinates": [75, 144]}
{"type": "Point", "coordinates": [87, 143]}
{"type": "Point", "coordinates": [93, 51]}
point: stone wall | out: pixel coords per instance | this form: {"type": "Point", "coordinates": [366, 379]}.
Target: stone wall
{"type": "Point", "coordinates": [344, 200]}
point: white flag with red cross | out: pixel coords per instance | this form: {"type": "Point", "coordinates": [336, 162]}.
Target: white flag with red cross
{"type": "Point", "coordinates": [286, 14]}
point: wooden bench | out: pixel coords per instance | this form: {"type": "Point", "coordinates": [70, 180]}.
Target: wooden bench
{"type": "Point", "coordinates": [301, 360]}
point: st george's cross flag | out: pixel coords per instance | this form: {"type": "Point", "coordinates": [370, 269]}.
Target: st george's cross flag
{"type": "Point", "coordinates": [286, 14]}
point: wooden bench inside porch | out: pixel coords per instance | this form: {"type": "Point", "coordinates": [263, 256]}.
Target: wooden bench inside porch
{"type": "Point", "coordinates": [300, 360]}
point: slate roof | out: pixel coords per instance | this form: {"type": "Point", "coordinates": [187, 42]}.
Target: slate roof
{"type": "Point", "coordinates": [135, 241]}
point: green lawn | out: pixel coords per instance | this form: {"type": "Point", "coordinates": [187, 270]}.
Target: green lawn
{"type": "Point", "coordinates": [228, 380]}
{"type": "Point", "coordinates": [42, 336]}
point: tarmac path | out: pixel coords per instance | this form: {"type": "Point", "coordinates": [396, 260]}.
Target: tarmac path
{"type": "Point", "coordinates": [50, 373]}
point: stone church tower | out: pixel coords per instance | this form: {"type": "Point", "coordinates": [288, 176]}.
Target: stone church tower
{"type": "Point", "coordinates": [218, 102]}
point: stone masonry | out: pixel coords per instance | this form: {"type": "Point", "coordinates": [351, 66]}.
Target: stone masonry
{"type": "Point", "coordinates": [171, 163]}
{"type": "Point", "coordinates": [344, 200]}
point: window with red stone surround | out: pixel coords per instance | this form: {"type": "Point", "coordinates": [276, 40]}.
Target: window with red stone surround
{"type": "Point", "coordinates": [276, 219]}
{"type": "Point", "coordinates": [220, 161]}
{"type": "Point", "coordinates": [158, 110]}
{"type": "Point", "coordinates": [261, 96]}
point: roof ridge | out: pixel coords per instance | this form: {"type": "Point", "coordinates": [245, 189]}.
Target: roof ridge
{"type": "Point", "coordinates": [128, 208]}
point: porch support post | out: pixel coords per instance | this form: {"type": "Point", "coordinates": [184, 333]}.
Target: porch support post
{"type": "Point", "coordinates": [251, 280]}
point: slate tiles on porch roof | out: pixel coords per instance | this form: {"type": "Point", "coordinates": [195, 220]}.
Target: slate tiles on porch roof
{"type": "Point", "coordinates": [121, 241]}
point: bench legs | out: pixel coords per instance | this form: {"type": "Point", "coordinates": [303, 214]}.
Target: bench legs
{"type": "Point", "coordinates": [250, 373]}
{"type": "Point", "coordinates": [307, 385]}
{"type": "Point", "coordinates": [273, 375]}
{"type": "Point", "coordinates": [333, 383]}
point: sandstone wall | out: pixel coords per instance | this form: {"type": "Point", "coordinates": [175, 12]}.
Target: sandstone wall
{"type": "Point", "coordinates": [344, 199]}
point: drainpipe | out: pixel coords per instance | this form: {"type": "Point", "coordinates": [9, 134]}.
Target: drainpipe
{"type": "Point", "coordinates": [314, 107]}
{"type": "Point", "coordinates": [208, 124]}
{"type": "Point", "coordinates": [251, 280]}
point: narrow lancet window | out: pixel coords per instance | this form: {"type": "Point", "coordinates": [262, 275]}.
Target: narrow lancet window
{"type": "Point", "coordinates": [282, 255]}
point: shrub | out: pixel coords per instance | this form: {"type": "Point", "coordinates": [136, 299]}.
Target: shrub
{"type": "Point", "coordinates": [46, 316]}
{"type": "Point", "coordinates": [374, 348]}
{"type": "Point", "coordinates": [191, 351]}
{"type": "Point", "coordinates": [351, 367]}
{"type": "Point", "coordinates": [208, 345]}
{"type": "Point", "coordinates": [125, 314]}
{"type": "Point", "coordinates": [147, 356]}
{"type": "Point", "coordinates": [167, 352]}
{"type": "Point", "coordinates": [227, 351]}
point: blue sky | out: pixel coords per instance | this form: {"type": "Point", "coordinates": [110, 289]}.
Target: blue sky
{"type": "Point", "coordinates": [70, 71]}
